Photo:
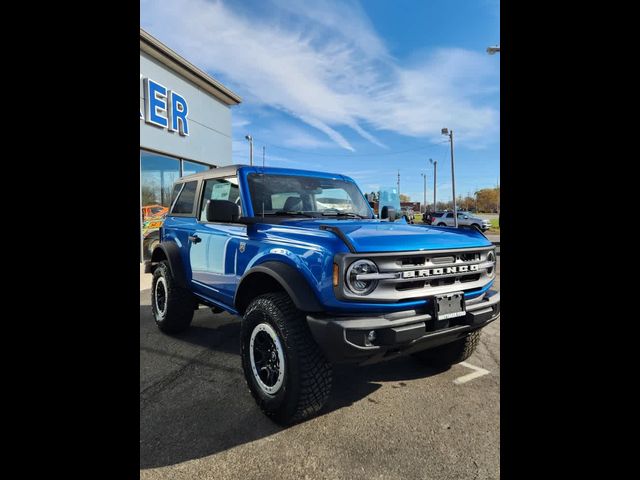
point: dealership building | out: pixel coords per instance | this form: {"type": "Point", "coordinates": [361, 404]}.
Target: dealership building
{"type": "Point", "coordinates": [185, 128]}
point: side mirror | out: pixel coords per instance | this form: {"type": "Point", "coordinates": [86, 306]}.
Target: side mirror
{"type": "Point", "coordinates": [222, 211]}
{"type": "Point", "coordinates": [466, 217]}
{"type": "Point", "coordinates": [388, 212]}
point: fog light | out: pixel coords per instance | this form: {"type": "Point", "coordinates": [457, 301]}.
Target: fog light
{"type": "Point", "coordinates": [371, 336]}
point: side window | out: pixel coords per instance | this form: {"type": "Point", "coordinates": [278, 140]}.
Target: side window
{"type": "Point", "coordinates": [449, 215]}
{"type": "Point", "coordinates": [219, 189]}
{"type": "Point", "coordinates": [184, 203]}
{"type": "Point", "coordinates": [176, 190]}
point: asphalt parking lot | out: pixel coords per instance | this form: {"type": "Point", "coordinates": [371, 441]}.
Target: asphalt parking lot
{"type": "Point", "coordinates": [394, 420]}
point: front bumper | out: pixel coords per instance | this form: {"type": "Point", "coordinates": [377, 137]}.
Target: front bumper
{"type": "Point", "coordinates": [344, 339]}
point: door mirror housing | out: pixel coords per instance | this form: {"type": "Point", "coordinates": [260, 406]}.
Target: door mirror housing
{"type": "Point", "coordinates": [388, 213]}
{"type": "Point", "coordinates": [222, 211]}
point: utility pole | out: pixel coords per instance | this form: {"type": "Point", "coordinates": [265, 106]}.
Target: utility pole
{"type": "Point", "coordinates": [435, 175]}
{"type": "Point", "coordinates": [424, 177]}
{"type": "Point", "coordinates": [263, 147]}
{"type": "Point", "coordinates": [445, 131]}
{"type": "Point", "coordinates": [250, 138]}
{"type": "Point", "coordinates": [398, 184]}
{"type": "Point", "coordinates": [475, 193]}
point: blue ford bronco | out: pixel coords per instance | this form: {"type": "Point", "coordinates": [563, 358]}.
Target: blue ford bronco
{"type": "Point", "coordinates": [317, 279]}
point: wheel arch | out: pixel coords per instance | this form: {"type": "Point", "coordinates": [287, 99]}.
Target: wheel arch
{"type": "Point", "coordinates": [170, 252]}
{"type": "Point", "coordinates": [273, 276]}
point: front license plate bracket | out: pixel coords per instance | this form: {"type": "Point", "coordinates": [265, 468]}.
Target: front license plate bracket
{"type": "Point", "coordinates": [449, 306]}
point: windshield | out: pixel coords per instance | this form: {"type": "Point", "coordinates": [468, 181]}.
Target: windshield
{"type": "Point", "coordinates": [310, 196]}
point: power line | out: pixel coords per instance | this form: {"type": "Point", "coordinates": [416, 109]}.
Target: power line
{"type": "Point", "coordinates": [423, 147]}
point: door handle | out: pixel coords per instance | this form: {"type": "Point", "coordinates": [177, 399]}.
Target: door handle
{"type": "Point", "coordinates": [194, 238]}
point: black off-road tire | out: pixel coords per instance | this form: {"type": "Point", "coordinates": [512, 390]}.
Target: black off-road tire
{"type": "Point", "coordinates": [450, 353]}
{"type": "Point", "coordinates": [307, 373]}
{"type": "Point", "coordinates": [176, 313]}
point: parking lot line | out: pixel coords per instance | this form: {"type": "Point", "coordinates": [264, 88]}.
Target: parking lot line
{"type": "Point", "coordinates": [479, 372]}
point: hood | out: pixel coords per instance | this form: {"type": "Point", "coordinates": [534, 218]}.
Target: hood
{"type": "Point", "coordinates": [379, 236]}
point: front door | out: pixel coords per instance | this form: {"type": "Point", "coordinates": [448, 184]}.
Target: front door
{"type": "Point", "coordinates": [214, 252]}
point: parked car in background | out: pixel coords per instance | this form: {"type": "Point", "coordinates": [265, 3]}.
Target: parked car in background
{"type": "Point", "coordinates": [431, 217]}
{"type": "Point", "coordinates": [464, 218]}
{"type": "Point", "coordinates": [149, 211]}
{"type": "Point", "coordinates": [152, 218]}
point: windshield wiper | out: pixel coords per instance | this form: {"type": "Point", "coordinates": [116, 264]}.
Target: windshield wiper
{"type": "Point", "coordinates": [302, 214]}
{"type": "Point", "coordinates": [342, 214]}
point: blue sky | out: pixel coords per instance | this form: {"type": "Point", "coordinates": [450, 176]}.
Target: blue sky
{"type": "Point", "coordinates": [359, 88]}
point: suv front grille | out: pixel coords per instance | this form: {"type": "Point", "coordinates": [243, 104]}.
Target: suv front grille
{"type": "Point", "coordinates": [416, 275]}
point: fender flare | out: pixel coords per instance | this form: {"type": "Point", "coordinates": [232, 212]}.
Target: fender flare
{"type": "Point", "coordinates": [290, 279]}
{"type": "Point", "coordinates": [171, 251]}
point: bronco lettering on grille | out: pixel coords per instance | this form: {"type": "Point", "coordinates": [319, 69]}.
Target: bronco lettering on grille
{"type": "Point", "coordinates": [440, 271]}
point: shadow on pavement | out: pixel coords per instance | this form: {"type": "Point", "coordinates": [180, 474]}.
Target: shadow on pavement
{"type": "Point", "coordinates": [194, 401]}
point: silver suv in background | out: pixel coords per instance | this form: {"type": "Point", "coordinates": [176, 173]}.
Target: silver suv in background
{"type": "Point", "coordinates": [464, 218]}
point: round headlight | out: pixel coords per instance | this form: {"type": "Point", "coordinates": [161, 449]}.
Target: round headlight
{"type": "Point", "coordinates": [361, 286]}
{"type": "Point", "coordinates": [491, 257]}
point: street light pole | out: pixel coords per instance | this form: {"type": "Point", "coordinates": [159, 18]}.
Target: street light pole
{"type": "Point", "coordinates": [398, 184]}
{"type": "Point", "coordinates": [435, 176]}
{"type": "Point", "coordinates": [250, 138]}
{"type": "Point", "coordinates": [424, 177]}
{"type": "Point", "coordinates": [445, 131]}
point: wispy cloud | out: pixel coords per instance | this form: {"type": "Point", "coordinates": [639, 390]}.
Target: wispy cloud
{"type": "Point", "coordinates": [323, 63]}
{"type": "Point", "coordinates": [239, 121]}
{"type": "Point", "coordinates": [295, 137]}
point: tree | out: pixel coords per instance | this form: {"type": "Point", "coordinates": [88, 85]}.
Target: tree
{"type": "Point", "coordinates": [488, 200]}
{"type": "Point", "coordinates": [466, 204]}
{"type": "Point", "coordinates": [405, 198]}
{"type": "Point", "coordinates": [444, 206]}
{"type": "Point", "coordinates": [148, 195]}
